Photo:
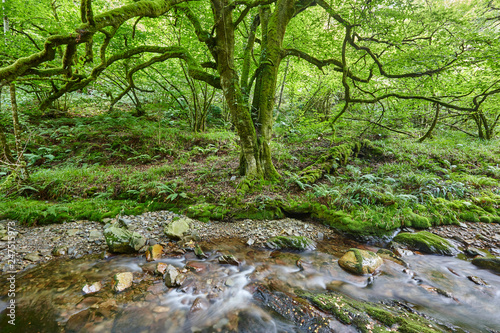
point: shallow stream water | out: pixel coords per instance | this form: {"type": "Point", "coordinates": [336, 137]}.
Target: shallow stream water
{"type": "Point", "coordinates": [224, 298]}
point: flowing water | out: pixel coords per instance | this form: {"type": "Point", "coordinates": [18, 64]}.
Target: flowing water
{"type": "Point", "coordinates": [251, 297]}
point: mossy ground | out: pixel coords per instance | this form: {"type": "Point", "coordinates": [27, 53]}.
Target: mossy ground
{"type": "Point", "coordinates": [91, 166]}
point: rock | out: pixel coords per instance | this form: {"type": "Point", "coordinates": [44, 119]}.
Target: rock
{"type": "Point", "coordinates": [199, 304]}
{"type": "Point", "coordinates": [154, 252]}
{"type": "Point", "coordinates": [124, 222]}
{"type": "Point", "coordinates": [172, 277]}
{"type": "Point", "coordinates": [299, 243]}
{"type": "Point", "coordinates": [72, 232]}
{"type": "Point", "coordinates": [488, 263]}
{"type": "Point", "coordinates": [477, 280]}
{"type": "Point", "coordinates": [95, 234]}
{"type": "Point", "coordinates": [34, 257]}
{"type": "Point", "coordinates": [228, 260]}
{"type": "Point", "coordinates": [426, 242]}
{"type": "Point", "coordinates": [92, 288]}
{"type": "Point", "coordinates": [389, 255]}
{"type": "Point", "coordinates": [176, 229]}
{"type": "Point", "coordinates": [360, 261]}
{"type": "Point", "coordinates": [120, 240]}
{"type": "Point", "coordinates": [59, 251]}
{"type": "Point", "coordinates": [160, 268]}
{"type": "Point", "coordinates": [196, 266]}
{"type": "Point", "coordinates": [250, 241]}
{"type": "Point", "coordinates": [199, 252]}
{"type": "Point", "coordinates": [122, 281]}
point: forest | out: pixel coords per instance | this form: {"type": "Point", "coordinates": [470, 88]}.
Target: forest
{"type": "Point", "coordinates": [368, 117]}
{"type": "Point", "coordinates": [356, 113]}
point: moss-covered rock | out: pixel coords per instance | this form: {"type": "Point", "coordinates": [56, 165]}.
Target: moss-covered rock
{"type": "Point", "coordinates": [206, 212]}
{"type": "Point", "coordinates": [374, 317]}
{"type": "Point", "coordinates": [426, 242]}
{"type": "Point", "coordinates": [120, 240]}
{"type": "Point", "coordinates": [360, 262]}
{"type": "Point", "coordinates": [488, 263]}
{"type": "Point", "coordinates": [298, 243]}
{"type": "Point", "coordinates": [389, 255]}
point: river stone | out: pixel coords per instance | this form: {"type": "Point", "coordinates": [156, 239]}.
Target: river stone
{"type": "Point", "coordinates": [389, 255]}
{"type": "Point", "coordinates": [72, 232]}
{"type": "Point", "coordinates": [161, 267]}
{"type": "Point", "coordinates": [172, 277]}
{"type": "Point", "coordinates": [59, 251]}
{"type": "Point", "coordinates": [120, 240]}
{"type": "Point", "coordinates": [92, 288]}
{"type": "Point", "coordinates": [488, 263]}
{"type": "Point", "coordinates": [426, 242]}
{"type": "Point", "coordinates": [122, 281]}
{"type": "Point", "coordinates": [176, 229]}
{"type": "Point", "coordinates": [360, 261]}
{"type": "Point", "coordinates": [228, 260]}
{"type": "Point", "coordinates": [299, 243]}
{"type": "Point", "coordinates": [154, 252]}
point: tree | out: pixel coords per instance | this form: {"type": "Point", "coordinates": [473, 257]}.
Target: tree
{"type": "Point", "coordinates": [379, 50]}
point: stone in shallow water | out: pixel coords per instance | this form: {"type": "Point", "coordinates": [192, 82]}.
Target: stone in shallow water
{"type": "Point", "coordinates": [228, 260]}
{"type": "Point", "coordinates": [299, 243]}
{"type": "Point", "coordinates": [360, 262]}
{"type": "Point", "coordinates": [426, 242]}
{"type": "Point", "coordinates": [92, 288]}
{"type": "Point", "coordinates": [488, 263]}
{"type": "Point", "coordinates": [122, 281]}
{"type": "Point", "coordinates": [389, 255]}
{"type": "Point", "coordinates": [172, 277]}
{"type": "Point", "coordinates": [154, 252]}
{"type": "Point", "coordinates": [59, 251]}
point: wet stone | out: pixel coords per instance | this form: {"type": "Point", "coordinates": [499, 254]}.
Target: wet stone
{"type": "Point", "coordinates": [154, 252]}
{"type": "Point", "coordinates": [477, 280]}
{"type": "Point", "coordinates": [173, 277]}
{"type": "Point", "coordinates": [92, 288]}
{"type": "Point", "coordinates": [228, 260]}
{"type": "Point", "coordinates": [360, 261]}
{"type": "Point", "coordinates": [122, 281]}
{"type": "Point", "coordinates": [488, 263]}
{"type": "Point", "coordinates": [196, 266]}
{"type": "Point", "coordinates": [33, 257]}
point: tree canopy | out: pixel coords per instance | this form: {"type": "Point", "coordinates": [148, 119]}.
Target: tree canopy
{"type": "Point", "coordinates": [378, 56]}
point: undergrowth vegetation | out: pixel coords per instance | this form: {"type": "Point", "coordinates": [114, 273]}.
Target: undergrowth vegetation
{"type": "Point", "coordinates": [97, 166]}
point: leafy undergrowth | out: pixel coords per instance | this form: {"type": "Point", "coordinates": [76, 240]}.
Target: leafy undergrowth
{"type": "Point", "coordinates": [100, 166]}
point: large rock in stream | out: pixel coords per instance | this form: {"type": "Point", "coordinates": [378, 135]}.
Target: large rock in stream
{"type": "Point", "coordinates": [360, 262]}
{"type": "Point", "coordinates": [488, 263]}
{"type": "Point", "coordinates": [120, 240]}
{"type": "Point", "coordinates": [426, 242]}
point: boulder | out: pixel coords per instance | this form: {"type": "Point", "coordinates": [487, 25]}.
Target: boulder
{"type": "Point", "coordinates": [154, 252]}
{"type": "Point", "coordinates": [122, 281]}
{"type": "Point", "coordinates": [172, 277]}
{"type": "Point", "coordinates": [298, 243]}
{"type": "Point", "coordinates": [120, 240]}
{"type": "Point", "coordinates": [360, 261]}
{"type": "Point", "coordinates": [426, 242]}
{"type": "Point", "coordinates": [488, 263]}
{"type": "Point", "coordinates": [177, 228]}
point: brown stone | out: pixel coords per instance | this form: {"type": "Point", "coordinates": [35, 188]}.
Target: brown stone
{"type": "Point", "coordinates": [196, 266]}
{"type": "Point", "coordinates": [360, 261]}
{"type": "Point", "coordinates": [154, 252]}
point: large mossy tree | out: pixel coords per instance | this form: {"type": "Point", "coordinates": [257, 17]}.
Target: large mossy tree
{"type": "Point", "coordinates": [380, 50]}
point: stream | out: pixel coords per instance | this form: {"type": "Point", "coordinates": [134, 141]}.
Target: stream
{"type": "Point", "coordinates": [259, 295]}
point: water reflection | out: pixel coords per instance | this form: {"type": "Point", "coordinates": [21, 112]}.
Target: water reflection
{"type": "Point", "coordinates": [220, 297]}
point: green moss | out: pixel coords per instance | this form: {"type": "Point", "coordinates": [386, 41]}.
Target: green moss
{"type": "Point", "coordinates": [415, 220]}
{"type": "Point", "coordinates": [426, 242]}
{"type": "Point", "coordinates": [205, 212]}
{"type": "Point", "coordinates": [485, 218]}
{"type": "Point", "coordinates": [469, 216]}
{"type": "Point", "coordinates": [382, 317]}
